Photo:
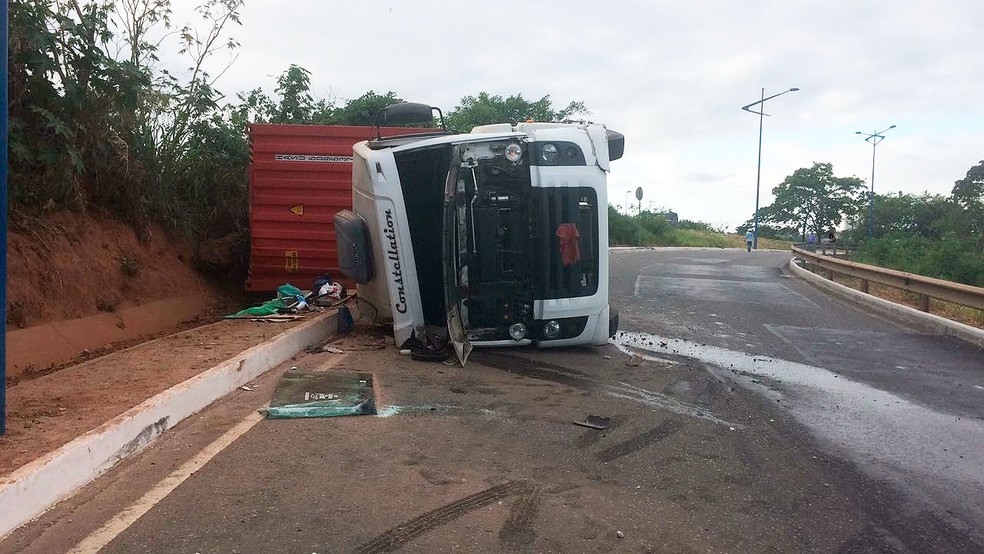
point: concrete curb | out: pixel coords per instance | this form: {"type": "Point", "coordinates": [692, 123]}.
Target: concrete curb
{"type": "Point", "coordinates": [30, 490]}
{"type": "Point", "coordinates": [904, 315]}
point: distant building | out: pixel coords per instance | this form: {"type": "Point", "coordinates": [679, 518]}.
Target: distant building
{"type": "Point", "coordinates": [670, 216]}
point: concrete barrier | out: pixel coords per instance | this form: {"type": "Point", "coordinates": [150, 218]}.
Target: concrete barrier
{"type": "Point", "coordinates": [897, 313]}
{"type": "Point", "coordinates": [30, 490]}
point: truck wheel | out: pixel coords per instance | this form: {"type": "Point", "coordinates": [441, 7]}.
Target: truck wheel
{"type": "Point", "coordinates": [613, 324]}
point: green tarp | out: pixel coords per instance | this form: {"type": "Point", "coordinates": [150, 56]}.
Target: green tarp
{"type": "Point", "coordinates": [286, 294]}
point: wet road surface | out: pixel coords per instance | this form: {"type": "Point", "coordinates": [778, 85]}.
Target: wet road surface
{"type": "Point", "coordinates": [903, 407]}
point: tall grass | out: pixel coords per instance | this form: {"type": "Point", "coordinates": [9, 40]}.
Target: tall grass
{"type": "Point", "coordinates": [951, 259]}
{"type": "Point", "coordinates": [624, 230]}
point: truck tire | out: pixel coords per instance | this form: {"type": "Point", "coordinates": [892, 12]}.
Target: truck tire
{"type": "Point", "coordinates": [613, 324]}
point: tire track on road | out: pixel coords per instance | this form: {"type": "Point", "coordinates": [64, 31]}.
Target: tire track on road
{"type": "Point", "coordinates": [400, 535]}
{"type": "Point", "coordinates": [518, 532]}
{"type": "Point", "coordinates": [639, 442]}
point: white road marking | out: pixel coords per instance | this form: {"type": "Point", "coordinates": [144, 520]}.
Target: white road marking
{"type": "Point", "coordinates": [123, 520]}
{"type": "Point", "coordinates": [635, 291]}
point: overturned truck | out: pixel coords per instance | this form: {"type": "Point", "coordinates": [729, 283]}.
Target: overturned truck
{"type": "Point", "coordinates": [499, 235]}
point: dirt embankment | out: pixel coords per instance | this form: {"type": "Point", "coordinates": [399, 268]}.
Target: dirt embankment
{"type": "Point", "coordinates": [71, 265]}
{"type": "Point", "coordinates": [81, 286]}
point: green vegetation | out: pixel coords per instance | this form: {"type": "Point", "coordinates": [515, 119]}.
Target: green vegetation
{"type": "Point", "coordinates": [96, 123]}
{"type": "Point", "coordinates": [483, 109]}
{"type": "Point", "coordinates": [624, 230]}
{"type": "Point", "coordinates": [933, 235]}
{"type": "Point", "coordinates": [952, 259]}
{"type": "Point", "coordinates": [811, 200]}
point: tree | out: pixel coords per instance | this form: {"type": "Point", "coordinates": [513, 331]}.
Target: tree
{"type": "Point", "coordinates": [968, 193]}
{"type": "Point", "coordinates": [485, 109]}
{"type": "Point", "coordinates": [813, 200]}
{"type": "Point", "coordinates": [296, 102]}
{"type": "Point", "coordinates": [363, 110]}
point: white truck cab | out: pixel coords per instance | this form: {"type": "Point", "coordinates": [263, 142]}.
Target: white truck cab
{"type": "Point", "coordinates": [499, 235]}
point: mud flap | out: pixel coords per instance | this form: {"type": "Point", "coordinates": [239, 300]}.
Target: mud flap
{"type": "Point", "coordinates": [613, 323]}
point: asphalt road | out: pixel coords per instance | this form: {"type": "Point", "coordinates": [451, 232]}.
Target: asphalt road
{"type": "Point", "coordinates": [902, 407]}
{"type": "Point", "coordinates": [748, 413]}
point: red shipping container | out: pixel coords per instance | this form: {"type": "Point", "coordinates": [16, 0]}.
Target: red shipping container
{"type": "Point", "coordinates": [300, 177]}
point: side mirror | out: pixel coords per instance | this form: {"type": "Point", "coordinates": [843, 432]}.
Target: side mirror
{"type": "Point", "coordinates": [616, 144]}
{"type": "Point", "coordinates": [407, 113]}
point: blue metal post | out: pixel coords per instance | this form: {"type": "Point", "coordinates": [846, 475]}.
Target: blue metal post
{"type": "Point", "coordinates": [3, 221]}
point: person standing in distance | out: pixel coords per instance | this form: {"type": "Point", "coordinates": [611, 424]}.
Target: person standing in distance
{"type": "Point", "coordinates": [749, 239]}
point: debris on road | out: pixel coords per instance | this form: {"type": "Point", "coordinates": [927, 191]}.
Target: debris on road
{"type": "Point", "coordinates": [429, 344]}
{"type": "Point", "coordinates": [302, 394]}
{"type": "Point", "coordinates": [319, 348]}
{"type": "Point", "coordinates": [594, 422]}
{"type": "Point", "coordinates": [290, 303]}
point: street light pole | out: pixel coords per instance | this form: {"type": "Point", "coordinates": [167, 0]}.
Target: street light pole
{"type": "Point", "coordinates": [627, 193]}
{"type": "Point", "coordinates": [758, 178]}
{"type": "Point", "coordinates": [874, 139]}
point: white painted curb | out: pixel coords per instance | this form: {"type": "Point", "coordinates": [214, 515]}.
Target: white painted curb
{"type": "Point", "coordinates": [30, 490]}
{"type": "Point", "coordinates": [910, 317]}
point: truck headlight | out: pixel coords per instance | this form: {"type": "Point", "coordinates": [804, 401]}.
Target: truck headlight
{"type": "Point", "coordinates": [551, 329]}
{"type": "Point", "coordinates": [514, 152]}
{"type": "Point", "coordinates": [517, 331]}
{"type": "Point", "coordinates": [549, 153]}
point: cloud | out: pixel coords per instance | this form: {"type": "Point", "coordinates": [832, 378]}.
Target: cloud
{"type": "Point", "coordinates": [671, 76]}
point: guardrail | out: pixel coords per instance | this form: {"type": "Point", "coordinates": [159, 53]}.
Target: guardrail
{"type": "Point", "coordinates": [833, 249]}
{"type": "Point", "coordinates": [925, 287]}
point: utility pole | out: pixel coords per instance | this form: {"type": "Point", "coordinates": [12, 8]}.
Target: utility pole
{"type": "Point", "coordinates": [758, 178]}
{"type": "Point", "coordinates": [874, 139]}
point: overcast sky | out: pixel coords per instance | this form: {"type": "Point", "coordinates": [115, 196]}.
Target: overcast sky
{"type": "Point", "coordinates": [672, 77]}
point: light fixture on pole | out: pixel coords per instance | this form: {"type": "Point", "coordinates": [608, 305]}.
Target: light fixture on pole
{"type": "Point", "coordinates": [874, 139]}
{"type": "Point", "coordinates": [758, 178]}
{"type": "Point", "coordinates": [627, 193]}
